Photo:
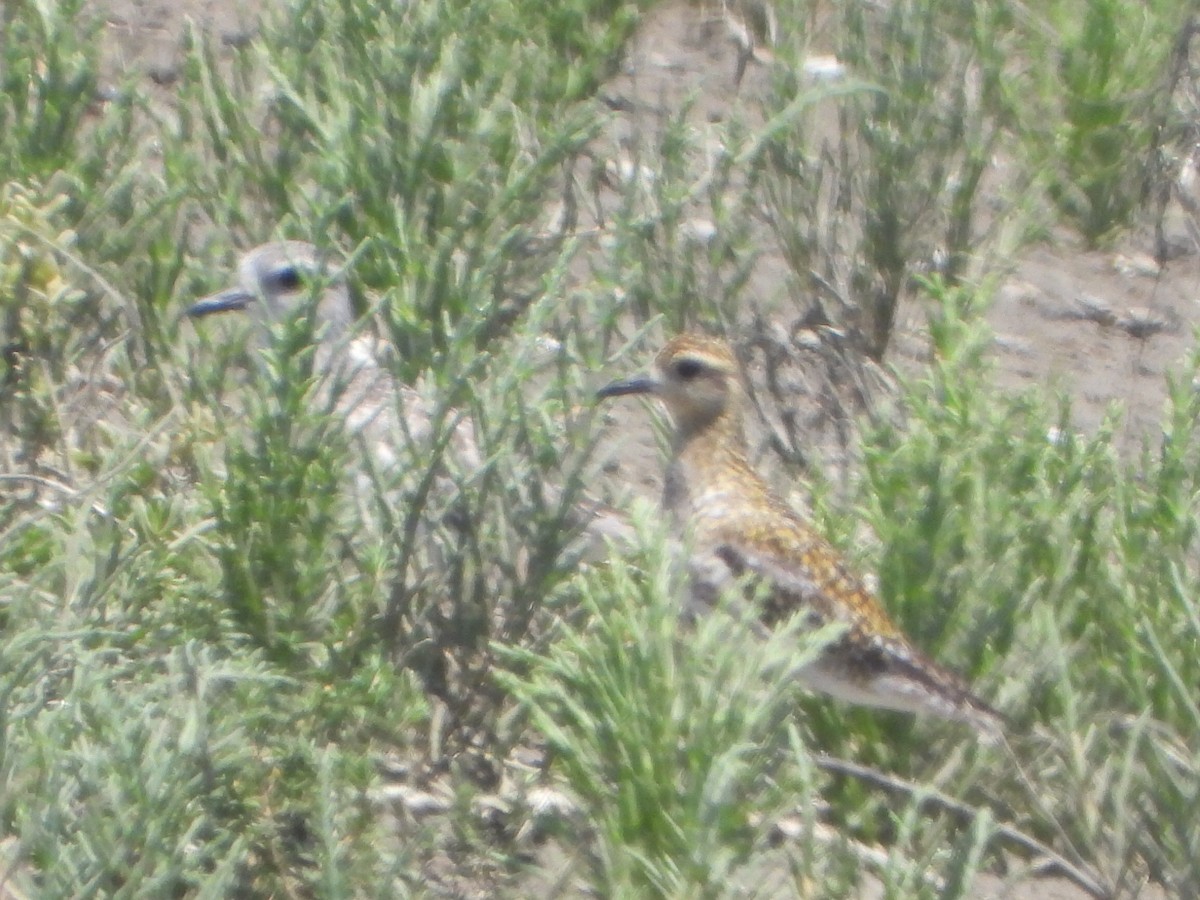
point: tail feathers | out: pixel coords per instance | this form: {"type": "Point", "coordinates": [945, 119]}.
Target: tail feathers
{"type": "Point", "coordinates": [890, 675]}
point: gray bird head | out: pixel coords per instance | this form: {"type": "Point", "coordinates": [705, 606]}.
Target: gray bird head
{"type": "Point", "coordinates": [278, 281]}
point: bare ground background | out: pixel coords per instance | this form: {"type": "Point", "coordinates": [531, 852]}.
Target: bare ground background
{"type": "Point", "coordinates": [1105, 326]}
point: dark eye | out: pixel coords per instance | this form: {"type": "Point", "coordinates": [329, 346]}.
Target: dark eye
{"type": "Point", "coordinates": [687, 369]}
{"type": "Point", "coordinates": [286, 278]}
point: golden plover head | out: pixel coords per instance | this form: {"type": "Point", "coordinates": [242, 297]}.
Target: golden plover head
{"type": "Point", "coordinates": [741, 533]}
{"type": "Point", "coordinates": [697, 380]}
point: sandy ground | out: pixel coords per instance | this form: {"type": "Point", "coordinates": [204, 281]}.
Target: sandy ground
{"type": "Point", "coordinates": [142, 37]}
{"type": "Point", "coordinates": [1102, 326]}
{"type": "Point", "coordinates": [1066, 316]}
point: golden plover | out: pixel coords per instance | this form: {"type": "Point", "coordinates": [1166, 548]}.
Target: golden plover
{"type": "Point", "coordinates": [739, 529]}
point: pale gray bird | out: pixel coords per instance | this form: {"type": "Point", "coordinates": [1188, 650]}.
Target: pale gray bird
{"type": "Point", "coordinates": [277, 280]}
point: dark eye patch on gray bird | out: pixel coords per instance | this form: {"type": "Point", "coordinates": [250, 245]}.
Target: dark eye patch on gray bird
{"type": "Point", "coordinates": [283, 278]}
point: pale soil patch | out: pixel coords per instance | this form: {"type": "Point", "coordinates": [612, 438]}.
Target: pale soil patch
{"type": "Point", "coordinates": [142, 37]}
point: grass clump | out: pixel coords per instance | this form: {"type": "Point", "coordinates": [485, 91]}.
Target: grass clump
{"type": "Point", "coordinates": [433, 153]}
{"type": "Point", "coordinates": [1100, 96]}
{"type": "Point", "coordinates": [672, 743]}
{"type": "Point", "coordinates": [41, 302]}
{"type": "Point", "coordinates": [1052, 571]}
{"type": "Point", "coordinates": [46, 94]}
